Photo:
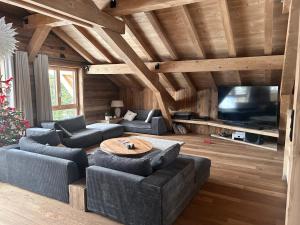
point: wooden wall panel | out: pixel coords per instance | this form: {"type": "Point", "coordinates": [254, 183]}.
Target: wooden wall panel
{"type": "Point", "coordinates": [98, 94]}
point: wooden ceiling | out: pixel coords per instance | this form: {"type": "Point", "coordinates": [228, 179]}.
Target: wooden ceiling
{"type": "Point", "coordinates": [166, 35]}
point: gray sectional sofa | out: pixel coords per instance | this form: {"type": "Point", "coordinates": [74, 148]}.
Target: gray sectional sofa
{"type": "Point", "coordinates": [156, 126]}
{"type": "Point", "coordinates": [157, 199]}
{"type": "Point", "coordinates": [46, 170]}
{"type": "Point", "coordinates": [76, 134]}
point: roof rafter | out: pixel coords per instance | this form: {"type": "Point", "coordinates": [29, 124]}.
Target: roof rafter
{"type": "Point", "coordinates": [127, 81]}
{"type": "Point", "coordinates": [268, 47]}
{"type": "Point", "coordinates": [229, 34]}
{"type": "Point", "coordinates": [153, 20]}
{"type": "Point", "coordinates": [146, 50]}
{"type": "Point", "coordinates": [80, 12]}
{"type": "Point", "coordinates": [195, 38]}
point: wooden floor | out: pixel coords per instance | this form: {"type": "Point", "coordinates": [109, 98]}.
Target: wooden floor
{"type": "Point", "coordinates": [245, 188]}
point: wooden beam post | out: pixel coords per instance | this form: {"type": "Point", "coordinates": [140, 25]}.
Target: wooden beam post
{"type": "Point", "coordinates": [293, 195]}
{"type": "Point", "coordinates": [120, 46]}
{"type": "Point", "coordinates": [39, 36]}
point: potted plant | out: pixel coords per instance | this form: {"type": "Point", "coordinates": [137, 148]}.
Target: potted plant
{"type": "Point", "coordinates": [108, 116]}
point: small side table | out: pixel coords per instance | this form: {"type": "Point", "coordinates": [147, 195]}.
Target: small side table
{"type": "Point", "coordinates": [114, 120]}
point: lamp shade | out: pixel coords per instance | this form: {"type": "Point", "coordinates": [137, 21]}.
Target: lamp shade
{"type": "Point", "coordinates": [117, 103]}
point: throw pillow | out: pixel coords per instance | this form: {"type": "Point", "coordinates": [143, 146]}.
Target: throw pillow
{"type": "Point", "coordinates": [50, 138]}
{"type": "Point", "coordinates": [150, 115]}
{"type": "Point", "coordinates": [137, 166]}
{"type": "Point", "coordinates": [130, 115]}
{"type": "Point", "coordinates": [165, 158]}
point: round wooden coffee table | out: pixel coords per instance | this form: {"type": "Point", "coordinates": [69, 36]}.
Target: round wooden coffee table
{"type": "Point", "coordinates": [116, 146]}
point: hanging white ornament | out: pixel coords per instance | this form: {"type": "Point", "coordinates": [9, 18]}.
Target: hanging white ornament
{"type": "Point", "coordinates": [7, 39]}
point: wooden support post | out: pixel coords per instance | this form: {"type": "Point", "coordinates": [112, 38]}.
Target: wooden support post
{"type": "Point", "coordinates": [77, 195]}
{"type": "Point", "coordinates": [293, 196]}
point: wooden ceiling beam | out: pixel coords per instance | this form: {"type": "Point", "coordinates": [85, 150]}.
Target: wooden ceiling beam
{"type": "Point", "coordinates": [146, 50]}
{"type": "Point", "coordinates": [38, 20]}
{"type": "Point", "coordinates": [286, 6]}
{"type": "Point", "coordinates": [74, 45]}
{"type": "Point", "coordinates": [39, 36]}
{"type": "Point", "coordinates": [120, 46]}
{"type": "Point", "coordinates": [124, 79]}
{"type": "Point", "coordinates": [80, 12]}
{"type": "Point", "coordinates": [274, 62]}
{"type": "Point", "coordinates": [153, 20]}
{"type": "Point", "coordinates": [268, 46]}
{"type": "Point", "coordinates": [225, 14]}
{"type": "Point", "coordinates": [195, 38]}
{"type": "Point", "coordinates": [126, 7]}
{"type": "Point", "coordinates": [290, 55]}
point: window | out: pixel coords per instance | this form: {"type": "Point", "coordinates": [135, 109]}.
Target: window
{"type": "Point", "coordinates": [63, 89]}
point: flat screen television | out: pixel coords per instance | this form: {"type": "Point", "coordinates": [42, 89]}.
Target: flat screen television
{"type": "Point", "coordinates": [253, 106]}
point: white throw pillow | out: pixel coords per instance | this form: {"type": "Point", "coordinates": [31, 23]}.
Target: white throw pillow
{"type": "Point", "coordinates": [150, 115]}
{"type": "Point", "coordinates": [130, 115]}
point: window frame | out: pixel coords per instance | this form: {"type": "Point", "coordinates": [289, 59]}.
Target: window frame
{"type": "Point", "coordinates": [59, 106]}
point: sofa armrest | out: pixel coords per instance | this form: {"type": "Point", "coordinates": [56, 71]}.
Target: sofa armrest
{"type": "Point", "coordinates": [123, 197]}
{"type": "Point", "coordinates": [158, 125]}
{"type": "Point", "coordinates": [41, 174]}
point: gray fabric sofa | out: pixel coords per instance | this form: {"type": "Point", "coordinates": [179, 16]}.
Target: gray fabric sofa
{"type": "Point", "coordinates": [42, 169]}
{"type": "Point", "coordinates": [77, 135]}
{"type": "Point", "coordinates": [157, 126]}
{"type": "Point", "coordinates": [157, 199]}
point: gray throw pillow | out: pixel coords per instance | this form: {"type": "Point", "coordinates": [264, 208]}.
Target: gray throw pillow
{"type": "Point", "coordinates": [137, 166]}
{"type": "Point", "coordinates": [76, 155]}
{"type": "Point", "coordinates": [150, 115]}
{"type": "Point", "coordinates": [48, 138]}
{"type": "Point", "coordinates": [165, 157]}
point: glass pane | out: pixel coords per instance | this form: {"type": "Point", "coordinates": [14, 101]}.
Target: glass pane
{"type": "Point", "coordinates": [53, 86]}
{"type": "Point", "coordinates": [68, 87]}
{"type": "Point", "coordinates": [64, 114]}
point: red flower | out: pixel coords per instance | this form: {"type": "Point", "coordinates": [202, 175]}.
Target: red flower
{"type": "Point", "coordinates": [26, 123]}
{"type": "Point", "coordinates": [7, 82]}
{"type": "Point", "coordinates": [2, 99]}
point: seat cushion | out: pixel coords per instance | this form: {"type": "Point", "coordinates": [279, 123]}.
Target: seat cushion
{"type": "Point", "coordinates": [139, 166]}
{"type": "Point", "coordinates": [108, 130]}
{"type": "Point", "coordinates": [83, 138]}
{"type": "Point", "coordinates": [136, 124]}
{"type": "Point", "coordinates": [76, 155]}
{"type": "Point", "coordinates": [72, 124]}
{"type": "Point", "coordinates": [165, 158]}
{"type": "Point", "coordinates": [44, 136]}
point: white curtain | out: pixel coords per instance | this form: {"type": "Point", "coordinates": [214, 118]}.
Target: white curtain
{"type": "Point", "coordinates": [7, 71]}
{"type": "Point", "coordinates": [23, 86]}
{"type": "Point", "coordinates": [43, 98]}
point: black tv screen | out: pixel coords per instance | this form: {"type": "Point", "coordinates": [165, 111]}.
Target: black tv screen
{"type": "Point", "coordinates": [249, 105]}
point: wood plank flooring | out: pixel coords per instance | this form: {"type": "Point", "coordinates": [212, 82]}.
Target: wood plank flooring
{"type": "Point", "coordinates": [245, 188]}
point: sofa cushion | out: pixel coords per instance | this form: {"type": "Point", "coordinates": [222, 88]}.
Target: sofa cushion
{"type": "Point", "coordinates": [137, 124]}
{"type": "Point", "coordinates": [72, 124]}
{"type": "Point", "coordinates": [166, 157]}
{"type": "Point", "coordinates": [108, 130]}
{"type": "Point", "coordinates": [142, 114]}
{"type": "Point", "coordinates": [83, 138]}
{"type": "Point", "coordinates": [49, 137]}
{"type": "Point", "coordinates": [137, 166]}
{"type": "Point", "coordinates": [64, 131]}
{"type": "Point", "coordinates": [76, 155]}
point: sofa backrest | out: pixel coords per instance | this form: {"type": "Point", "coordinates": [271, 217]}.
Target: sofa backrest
{"type": "Point", "coordinates": [142, 114]}
{"type": "Point", "coordinates": [76, 155]}
{"type": "Point", "coordinates": [72, 124]}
